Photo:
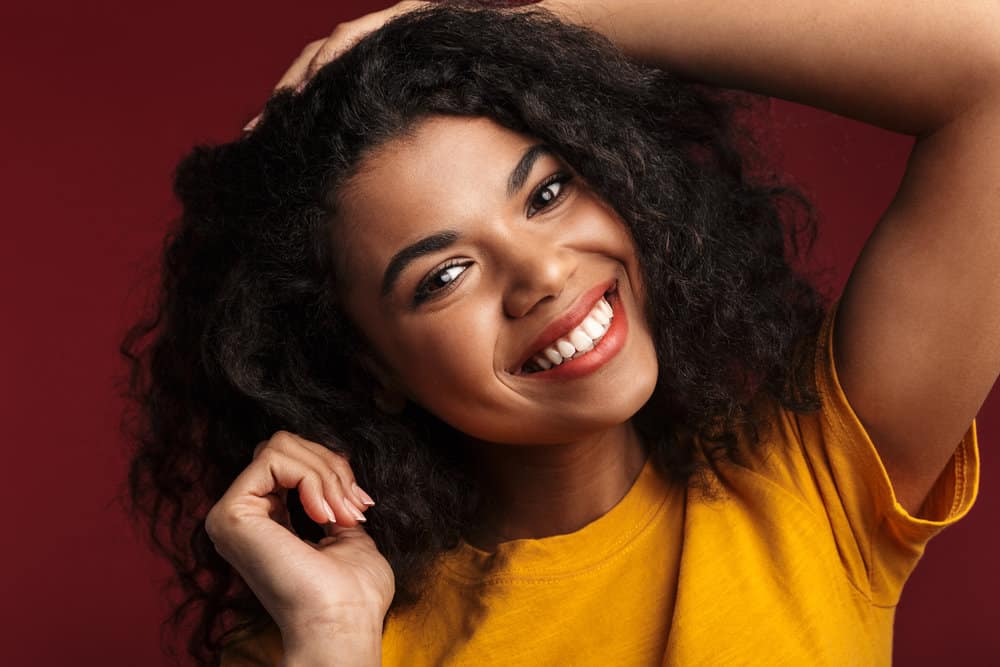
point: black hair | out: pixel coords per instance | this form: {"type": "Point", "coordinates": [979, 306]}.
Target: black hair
{"type": "Point", "coordinates": [246, 337]}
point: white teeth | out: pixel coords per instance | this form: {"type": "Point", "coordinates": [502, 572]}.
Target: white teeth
{"type": "Point", "coordinates": [581, 341]}
{"type": "Point", "coordinates": [592, 327]}
{"type": "Point", "coordinates": [565, 348]}
{"type": "Point", "coordinates": [552, 354]}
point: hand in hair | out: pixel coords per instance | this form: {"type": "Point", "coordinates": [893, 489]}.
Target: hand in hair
{"type": "Point", "coordinates": [335, 590]}
{"type": "Point", "coordinates": [320, 52]}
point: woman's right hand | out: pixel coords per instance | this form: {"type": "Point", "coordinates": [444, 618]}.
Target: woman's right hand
{"type": "Point", "coordinates": [344, 36]}
{"type": "Point", "coordinates": [313, 591]}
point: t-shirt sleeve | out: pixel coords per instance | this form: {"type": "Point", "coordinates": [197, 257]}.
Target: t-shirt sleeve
{"type": "Point", "coordinates": [828, 460]}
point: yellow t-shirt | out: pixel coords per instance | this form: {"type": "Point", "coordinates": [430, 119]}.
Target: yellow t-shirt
{"type": "Point", "coordinates": [801, 562]}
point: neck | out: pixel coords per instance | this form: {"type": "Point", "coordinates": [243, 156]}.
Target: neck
{"type": "Point", "coordinates": [534, 491]}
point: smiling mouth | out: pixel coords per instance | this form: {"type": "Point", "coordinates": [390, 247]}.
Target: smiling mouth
{"type": "Point", "coordinates": [577, 342]}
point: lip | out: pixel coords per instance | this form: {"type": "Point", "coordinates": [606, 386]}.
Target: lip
{"type": "Point", "coordinates": [566, 322]}
{"type": "Point", "coordinates": [610, 344]}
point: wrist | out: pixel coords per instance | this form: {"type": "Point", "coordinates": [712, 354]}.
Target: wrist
{"type": "Point", "coordinates": [345, 648]}
{"type": "Point", "coordinates": [355, 643]}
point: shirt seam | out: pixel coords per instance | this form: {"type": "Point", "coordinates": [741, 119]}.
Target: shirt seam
{"type": "Point", "coordinates": [621, 546]}
{"type": "Point", "coordinates": [821, 519]}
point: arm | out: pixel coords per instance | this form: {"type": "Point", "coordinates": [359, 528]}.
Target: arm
{"type": "Point", "coordinates": [354, 643]}
{"type": "Point", "coordinates": [351, 648]}
{"type": "Point", "coordinates": [917, 340]}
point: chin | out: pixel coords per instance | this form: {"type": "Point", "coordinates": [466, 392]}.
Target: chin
{"type": "Point", "coordinates": [602, 414]}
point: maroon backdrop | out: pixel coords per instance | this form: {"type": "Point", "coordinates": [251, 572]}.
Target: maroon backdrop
{"type": "Point", "coordinates": [100, 103]}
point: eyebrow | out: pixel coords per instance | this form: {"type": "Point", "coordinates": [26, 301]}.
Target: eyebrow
{"type": "Point", "coordinates": [443, 239]}
{"type": "Point", "coordinates": [523, 168]}
{"type": "Point", "coordinates": [424, 246]}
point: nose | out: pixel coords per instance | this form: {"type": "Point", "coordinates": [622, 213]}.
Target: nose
{"type": "Point", "coordinates": [538, 271]}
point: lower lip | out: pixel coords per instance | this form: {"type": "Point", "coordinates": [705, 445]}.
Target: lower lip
{"type": "Point", "coordinates": [603, 351]}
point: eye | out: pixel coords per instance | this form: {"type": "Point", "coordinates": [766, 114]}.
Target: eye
{"type": "Point", "coordinates": [548, 193]}
{"type": "Point", "coordinates": [439, 280]}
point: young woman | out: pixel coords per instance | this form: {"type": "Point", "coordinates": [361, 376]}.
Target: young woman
{"type": "Point", "coordinates": [519, 286]}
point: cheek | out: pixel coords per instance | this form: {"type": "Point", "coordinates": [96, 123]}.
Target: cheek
{"type": "Point", "coordinates": [447, 358]}
{"type": "Point", "coordinates": [604, 232]}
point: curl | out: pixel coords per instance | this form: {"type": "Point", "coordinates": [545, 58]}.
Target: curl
{"type": "Point", "coordinates": [246, 337]}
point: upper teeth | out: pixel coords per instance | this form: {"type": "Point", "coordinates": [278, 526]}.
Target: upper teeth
{"type": "Point", "coordinates": [578, 341]}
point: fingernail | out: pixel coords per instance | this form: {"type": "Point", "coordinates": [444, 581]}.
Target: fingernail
{"type": "Point", "coordinates": [365, 498]}
{"type": "Point", "coordinates": [252, 124]}
{"type": "Point", "coordinates": [329, 511]}
{"type": "Point", "coordinates": [353, 510]}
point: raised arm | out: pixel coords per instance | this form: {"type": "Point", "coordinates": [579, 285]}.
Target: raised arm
{"type": "Point", "coordinates": [917, 339]}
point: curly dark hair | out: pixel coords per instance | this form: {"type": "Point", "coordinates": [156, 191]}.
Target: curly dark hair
{"type": "Point", "coordinates": [246, 339]}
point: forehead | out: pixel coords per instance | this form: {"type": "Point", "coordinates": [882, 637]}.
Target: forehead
{"type": "Point", "coordinates": [446, 173]}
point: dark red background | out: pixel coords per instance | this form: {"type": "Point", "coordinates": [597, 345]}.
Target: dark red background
{"type": "Point", "coordinates": [100, 102]}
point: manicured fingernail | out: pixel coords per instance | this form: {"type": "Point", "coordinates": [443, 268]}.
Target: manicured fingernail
{"type": "Point", "coordinates": [252, 124]}
{"type": "Point", "coordinates": [365, 498]}
{"type": "Point", "coordinates": [329, 511]}
{"type": "Point", "coordinates": [355, 512]}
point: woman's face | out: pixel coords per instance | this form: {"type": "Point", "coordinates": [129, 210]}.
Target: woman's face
{"type": "Point", "coordinates": [469, 258]}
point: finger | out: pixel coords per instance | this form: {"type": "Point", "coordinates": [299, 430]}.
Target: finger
{"type": "Point", "coordinates": [295, 75]}
{"type": "Point", "coordinates": [322, 51]}
{"type": "Point", "coordinates": [260, 446]}
{"type": "Point", "coordinates": [320, 492]}
{"type": "Point", "coordinates": [332, 46]}
{"type": "Point", "coordinates": [340, 466]}
{"type": "Point", "coordinates": [343, 37]}
{"type": "Point", "coordinates": [252, 124]}
{"type": "Point", "coordinates": [339, 478]}
{"type": "Point", "coordinates": [321, 461]}
{"type": "Point", "coordinates": [346, 511]}
{"type": "Point", "coordinates": [346, 35]}
{"type": "Point", "coordinates": [315, 500]}
{"type": "Point", "coordinates": [277, 508]}
{"type": "Point", "coordinates": [269, 476]}
{"type": "Point", "coordinates": [334, 532]}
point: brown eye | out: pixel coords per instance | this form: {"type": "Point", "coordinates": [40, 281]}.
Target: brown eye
{"type": "Point", "coordinates": [439, 280]}
{"type": "Point", "coordinates": [552, 190]}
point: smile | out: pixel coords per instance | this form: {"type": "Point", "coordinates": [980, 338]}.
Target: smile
{"type": "Point", "coordinates": [577, 342]}
{"type": "Point", "coordinates": [585, 346]}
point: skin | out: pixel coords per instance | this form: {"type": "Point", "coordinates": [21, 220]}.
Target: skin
{"type": "Point", "coordinates": [916, 342]}
{"type": "Point", "coordinates": [555, 454]}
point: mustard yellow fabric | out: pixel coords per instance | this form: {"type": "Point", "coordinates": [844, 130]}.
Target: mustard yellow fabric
{"type": "Point", "coordinates": [799, 561]}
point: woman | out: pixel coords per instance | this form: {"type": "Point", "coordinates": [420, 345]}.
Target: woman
{"type": "Point", "coordinates": [524, 291]}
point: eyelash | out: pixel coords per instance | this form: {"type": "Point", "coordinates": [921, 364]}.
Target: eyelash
{"type": "Point", "coordinates": [423, 294]}
{"type": "Point", "coordinates": [559, 177]}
